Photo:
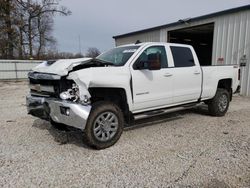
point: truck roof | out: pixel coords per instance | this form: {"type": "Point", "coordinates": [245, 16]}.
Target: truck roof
{"type": "Point", "coordinates": [155, 43]}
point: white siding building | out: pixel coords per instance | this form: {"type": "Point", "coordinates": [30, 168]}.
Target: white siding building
{"type": "Point", "coordinates": [218, 38]}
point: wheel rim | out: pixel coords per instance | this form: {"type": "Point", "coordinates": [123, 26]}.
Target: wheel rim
{"type": "Point", "coordinates": [105, 126]}
{"type": "Point", "coordinates": [223, 103]}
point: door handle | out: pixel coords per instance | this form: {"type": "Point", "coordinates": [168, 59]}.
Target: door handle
{"type": "Point", "coordinates": [168, 74]}
{"type": "Point", "coordinates": [197, 72]}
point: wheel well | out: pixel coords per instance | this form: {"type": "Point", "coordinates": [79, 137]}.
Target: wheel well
{"type": "Point", "coordinates": [226, 84]}
{"type": "Point", "coordinates": [115, 95]}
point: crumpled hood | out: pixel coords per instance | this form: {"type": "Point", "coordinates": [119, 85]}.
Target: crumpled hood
{"type": "Point", "coordinates": [60, 67]}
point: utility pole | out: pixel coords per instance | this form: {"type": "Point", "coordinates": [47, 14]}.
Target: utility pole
{"type": "Point", "coordinates": [80, 46]}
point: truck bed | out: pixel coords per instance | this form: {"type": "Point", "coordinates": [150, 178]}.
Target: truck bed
{"type": "Point", "coordinates": [211, 75]}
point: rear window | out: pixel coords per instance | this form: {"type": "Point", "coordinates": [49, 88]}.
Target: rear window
{"type": "Point", "coordinates": [183, 56]}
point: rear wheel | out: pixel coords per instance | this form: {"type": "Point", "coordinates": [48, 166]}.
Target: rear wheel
{"type": "Point", "coordinates": [104, 126]}
{"type": "Point", "coordinates": [218, 106]}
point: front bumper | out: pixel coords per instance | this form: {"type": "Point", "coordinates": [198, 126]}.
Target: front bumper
{"type": "Point", "coordinates": [65, 112]}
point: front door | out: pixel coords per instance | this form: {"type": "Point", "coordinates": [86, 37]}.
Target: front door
{"type": "Point", "coordinates": [152, 88]}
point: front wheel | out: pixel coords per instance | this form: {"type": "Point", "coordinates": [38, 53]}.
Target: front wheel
{"type": "Point", "coordinates": [104, 126]}
{"type": "Point", "coordinates": [218, 106]}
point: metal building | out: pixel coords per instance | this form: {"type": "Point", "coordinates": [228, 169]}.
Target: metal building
{"type": "Point", "coordinates": [218, 38]}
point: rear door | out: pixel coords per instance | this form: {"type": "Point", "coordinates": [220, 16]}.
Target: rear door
{"type": "Point", "coordinates": [187, 76]}
{"type": "Point", "coordinates": [152, 88]}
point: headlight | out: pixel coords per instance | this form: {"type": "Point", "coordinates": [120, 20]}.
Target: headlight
{"type": "Point", "coordinates": [65, 95]}
{"type": "Point", "coordinates": [73, 94]}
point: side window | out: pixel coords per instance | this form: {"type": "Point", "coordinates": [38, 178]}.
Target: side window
{"type": "Point", "coordinates": [183, 56]}
{"type": "Point", "coordinates": [154, 53]}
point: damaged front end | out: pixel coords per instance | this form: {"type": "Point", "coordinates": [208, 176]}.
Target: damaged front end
{"type": "Point", "coordinates": [56, 98]}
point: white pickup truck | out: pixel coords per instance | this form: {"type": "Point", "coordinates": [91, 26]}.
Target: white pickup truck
{"type": "Point", "coordinates": [101, 95]}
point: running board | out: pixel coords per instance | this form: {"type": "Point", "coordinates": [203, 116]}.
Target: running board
{"type": "Point", "coordinates": [164, 111]}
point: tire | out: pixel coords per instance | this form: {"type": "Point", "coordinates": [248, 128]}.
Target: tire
{"type": "Point", "coordinates": [218, 106]}
{"type": "Point", "coordinates": [104, 126]}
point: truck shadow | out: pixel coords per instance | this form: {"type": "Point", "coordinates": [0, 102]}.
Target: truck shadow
{"type": "Point", "coordinates": [70, 135]}
{"type": "Point", "coordinates": [64, 135]}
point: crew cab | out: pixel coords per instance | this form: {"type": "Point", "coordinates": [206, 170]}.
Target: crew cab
{"type": "Point", "coordinates": [101, 95]}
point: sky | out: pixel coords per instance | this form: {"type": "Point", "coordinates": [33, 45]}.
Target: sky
{"type": "Point", "coordinates": [95, 22]}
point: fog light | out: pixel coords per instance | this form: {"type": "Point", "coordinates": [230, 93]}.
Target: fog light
{"type": "Point", "coordinates": [65, 110]}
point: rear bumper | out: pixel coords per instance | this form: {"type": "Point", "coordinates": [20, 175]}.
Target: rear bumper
{"type": "Point", "coordinates": [65, 112]}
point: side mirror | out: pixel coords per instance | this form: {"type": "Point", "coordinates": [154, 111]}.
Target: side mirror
{"type": "Point", "coordinates": [154, 65]}
{"type": "Point", "coordinates": [150, 65]}
{"type": "Point", "coordinates": [141, 65]}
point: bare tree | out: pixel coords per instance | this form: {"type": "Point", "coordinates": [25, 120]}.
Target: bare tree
{"type": "Point", "coordinates": [27, 25]}
{"type": "Point", "coordinates": [44, 29]}
{"type": "Point", "coordinates": [7, 32]}
{"type": "Point", "coordinates": [92, 52]}
{"type": "Point", "coordinates": [40, 22]}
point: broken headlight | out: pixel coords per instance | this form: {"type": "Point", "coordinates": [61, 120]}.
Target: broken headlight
{"type": "Point", "coordinates": [73, 95]}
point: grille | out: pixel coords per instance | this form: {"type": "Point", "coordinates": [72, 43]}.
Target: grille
{"type": "Point", "coordinates": [48, 88]}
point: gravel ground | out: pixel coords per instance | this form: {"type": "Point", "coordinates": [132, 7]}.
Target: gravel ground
{"type": "Point", "coordinates": [184, 149]}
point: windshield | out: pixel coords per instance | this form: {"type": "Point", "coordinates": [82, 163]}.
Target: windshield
{"type": "Point", "coordinates": [118, 56]}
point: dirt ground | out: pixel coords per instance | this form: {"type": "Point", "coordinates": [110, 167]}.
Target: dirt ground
{"type": "Point", "coordinates": [183, 149]}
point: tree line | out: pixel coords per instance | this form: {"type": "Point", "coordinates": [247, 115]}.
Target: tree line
{"type": "Point", "coordinates": [91, 52]}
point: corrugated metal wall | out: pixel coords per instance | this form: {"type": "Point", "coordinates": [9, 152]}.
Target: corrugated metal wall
{"type": "Point", "coordinates": [153, 36]}
{"type": "Point", "coordinates": [231, 41]}
{"type": "Point", "coordinates": [16, 69]}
